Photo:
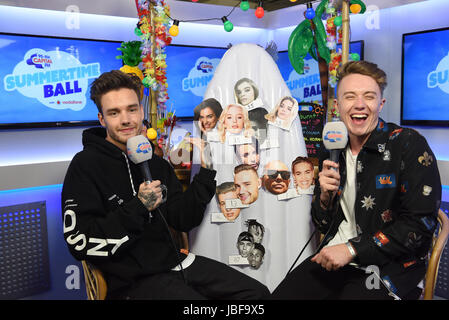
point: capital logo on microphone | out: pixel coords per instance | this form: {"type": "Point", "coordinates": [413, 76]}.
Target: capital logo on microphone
{"type": "Point", "coordinates": [333, 136]}
{"type": "Point", "coordinates": [144, 147]}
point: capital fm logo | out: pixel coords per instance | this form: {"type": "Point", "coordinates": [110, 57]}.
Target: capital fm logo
{"type": "Point", "coordinates": [144, 147]}
{"type": "Point", "coordinates": [39, 61]}
{"type": "Point", "coordinates": [200, 75]}
{"type": "Point", "coordinates": [205, 67]}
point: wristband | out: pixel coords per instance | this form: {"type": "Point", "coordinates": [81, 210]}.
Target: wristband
{"type": "Point", "coordinates": [351, 249]}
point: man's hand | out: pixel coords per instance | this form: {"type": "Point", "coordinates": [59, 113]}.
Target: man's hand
{"type": "Point", "coordinates": [329, 179]}
{"type": "Point", "coordinates": [333, 257]}
{"type": "Point", "coordinates": [150, 194]}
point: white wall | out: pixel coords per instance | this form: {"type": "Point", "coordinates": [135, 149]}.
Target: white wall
{"type": "Point", "coordinates": [382, 45]}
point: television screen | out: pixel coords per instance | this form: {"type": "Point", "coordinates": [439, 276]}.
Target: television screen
{"type": "Point", "coordinates": [189, 71]}
{"type": "Point", "coordinates": [45, 80]}
{"type": "Point", "coordinates": [307, 87]}
{"type": "Point", "coordinates": [425, 78]}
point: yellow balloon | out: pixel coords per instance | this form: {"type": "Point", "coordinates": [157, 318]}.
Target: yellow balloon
{"type": "Point", "coordinates": [151, 134]}
{"type": "Point", "coordinates": [174, 30]}
{"type": "Point", "coordinates": [355, 8]}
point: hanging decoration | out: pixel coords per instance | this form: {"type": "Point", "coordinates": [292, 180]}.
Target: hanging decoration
{"type": "Point", "coordinates": [304, 40]}
{"type": "Point", "coordinates": [153, 29]}
{"type": "Point", "coordinates": [333, 22]}
{"type": "Point", "coordinates": [320, 41]}
{"type": "Point", "coordinates": [131, 57]}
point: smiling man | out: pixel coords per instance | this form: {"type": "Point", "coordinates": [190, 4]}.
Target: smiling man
{"type": "Point", "coordinates": [377, 206]}
{"type": "Point", "coordinates": [117, 221]}
{"type": "Point", "coordinates": [247, 183]}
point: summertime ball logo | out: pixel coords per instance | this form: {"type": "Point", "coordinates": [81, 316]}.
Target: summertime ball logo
{"type": "Point", "coordinates": [200, 75]}
{"type": "Point", "coordinates": [305, 87]}
{"type": "Point", "coordinates": [440, 77]}
{"type": "Point", "coordinates": [55, 78]}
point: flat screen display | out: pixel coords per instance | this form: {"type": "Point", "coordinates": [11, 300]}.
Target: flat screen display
{"type": "Point", "coordinates": [425, 78]}
{"type": "Point", "coordinates": [45, 80]}
{"type": "Point", "coordinates": [189, 71]}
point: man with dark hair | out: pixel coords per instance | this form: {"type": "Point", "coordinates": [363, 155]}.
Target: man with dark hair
{"type": "Point", "coordinates": [247, 183]}
{"type": "Point", "coordinates": [245, 243]}
{"type": "Point", "coordinates": [377, 206]}
{"type": "Point", "coordinates": [118, 222]}
{"type": "Point", "coordinates": [255, 257]}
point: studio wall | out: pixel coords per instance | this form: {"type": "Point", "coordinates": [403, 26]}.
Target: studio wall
{"type": "Point", "coordinates": [47, 152]}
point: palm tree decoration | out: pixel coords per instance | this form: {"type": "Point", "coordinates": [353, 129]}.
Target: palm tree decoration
{"type": "Point", "coordinates": [310, 37]}
{"type": "Point", "coordinates": [303, 40]}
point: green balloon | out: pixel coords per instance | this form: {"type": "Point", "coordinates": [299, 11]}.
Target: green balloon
{"type": "Point", "coordinates": [355, 56]}
{"type": "Point", "coordinates": [228, 26]}
{"type": "Point", "coordinates": [244, 5]}
{"type": "Point", "coordinates": [137, 32]}
{"type": "Point", "coordinates": [337, 21]}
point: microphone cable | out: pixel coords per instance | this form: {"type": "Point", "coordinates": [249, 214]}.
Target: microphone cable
{"type": "Point", "coordinates": [302, 250]}
{"type": "Point", "coordinates": [320, 246]}
{"type": "Point", "coordinates": [177, 250]}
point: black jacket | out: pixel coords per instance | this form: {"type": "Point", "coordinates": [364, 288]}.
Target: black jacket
{"type": "Point", "coordinates": [396, 207]}
{"type": "Point", "coordinates": [106, 223]}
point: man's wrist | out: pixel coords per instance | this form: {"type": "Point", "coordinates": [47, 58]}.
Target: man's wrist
{"type": "Point", "coordinates": [324, 203]}
{"type": "Point", "coordinates": [351, 249]}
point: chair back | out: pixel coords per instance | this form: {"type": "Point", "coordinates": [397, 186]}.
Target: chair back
{"type": "Point", "coordinates": [96, 288]}
{"type": "Point", "coordinates": [439, 242]}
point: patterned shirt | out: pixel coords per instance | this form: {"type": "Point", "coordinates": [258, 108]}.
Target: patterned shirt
{"type": "Point", "coordinates": [398, 193]}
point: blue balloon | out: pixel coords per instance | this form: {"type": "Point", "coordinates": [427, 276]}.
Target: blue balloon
{"type": "Point", "coordinates": [310, 13]}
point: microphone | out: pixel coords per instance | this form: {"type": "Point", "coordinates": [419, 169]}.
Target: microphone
{"type": "Point", "coordinates": [139, 151]}
{"type": "Point", "coordinates": [335, 138]}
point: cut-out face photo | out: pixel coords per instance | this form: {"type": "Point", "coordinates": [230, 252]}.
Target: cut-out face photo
{"type": "Point", "coordinates": [234, 119]}
{"type": "Point", "coordinates": [276, 177]}
{"type": "Point", "coordinates": [245, 91]}
{"type": "Point", "coordinates": [247, 183]}
{"type": "Point", "coordinates": [284, 113]}
{"type": "Point", "coordinates": [303, 173]}
{"type": "Point", "coordinates": [227, 191]}
{"type": "Point", "coordinates": [206, 114]}
{"type": "Point", "coordinates": [256, 229]}
{"type": "Point", "coordinates": [248, 153]}
{"type": "Point", "coordinates": [255, 257]}
{"type": "Point", "coordinates": [245, 244]}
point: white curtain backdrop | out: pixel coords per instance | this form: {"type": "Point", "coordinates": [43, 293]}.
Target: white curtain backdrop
{"type": "Point", "coordinates": [287, 223]}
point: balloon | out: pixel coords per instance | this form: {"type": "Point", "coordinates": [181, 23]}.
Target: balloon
{"type": "Point", "coordinates": [361, 4]}
{"type": "Point", "coordinates": [151, 134]}
{"type": "Point", "coordinates": [299, 43]}
{"type": "Point", "coordinates": [302, 40]}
